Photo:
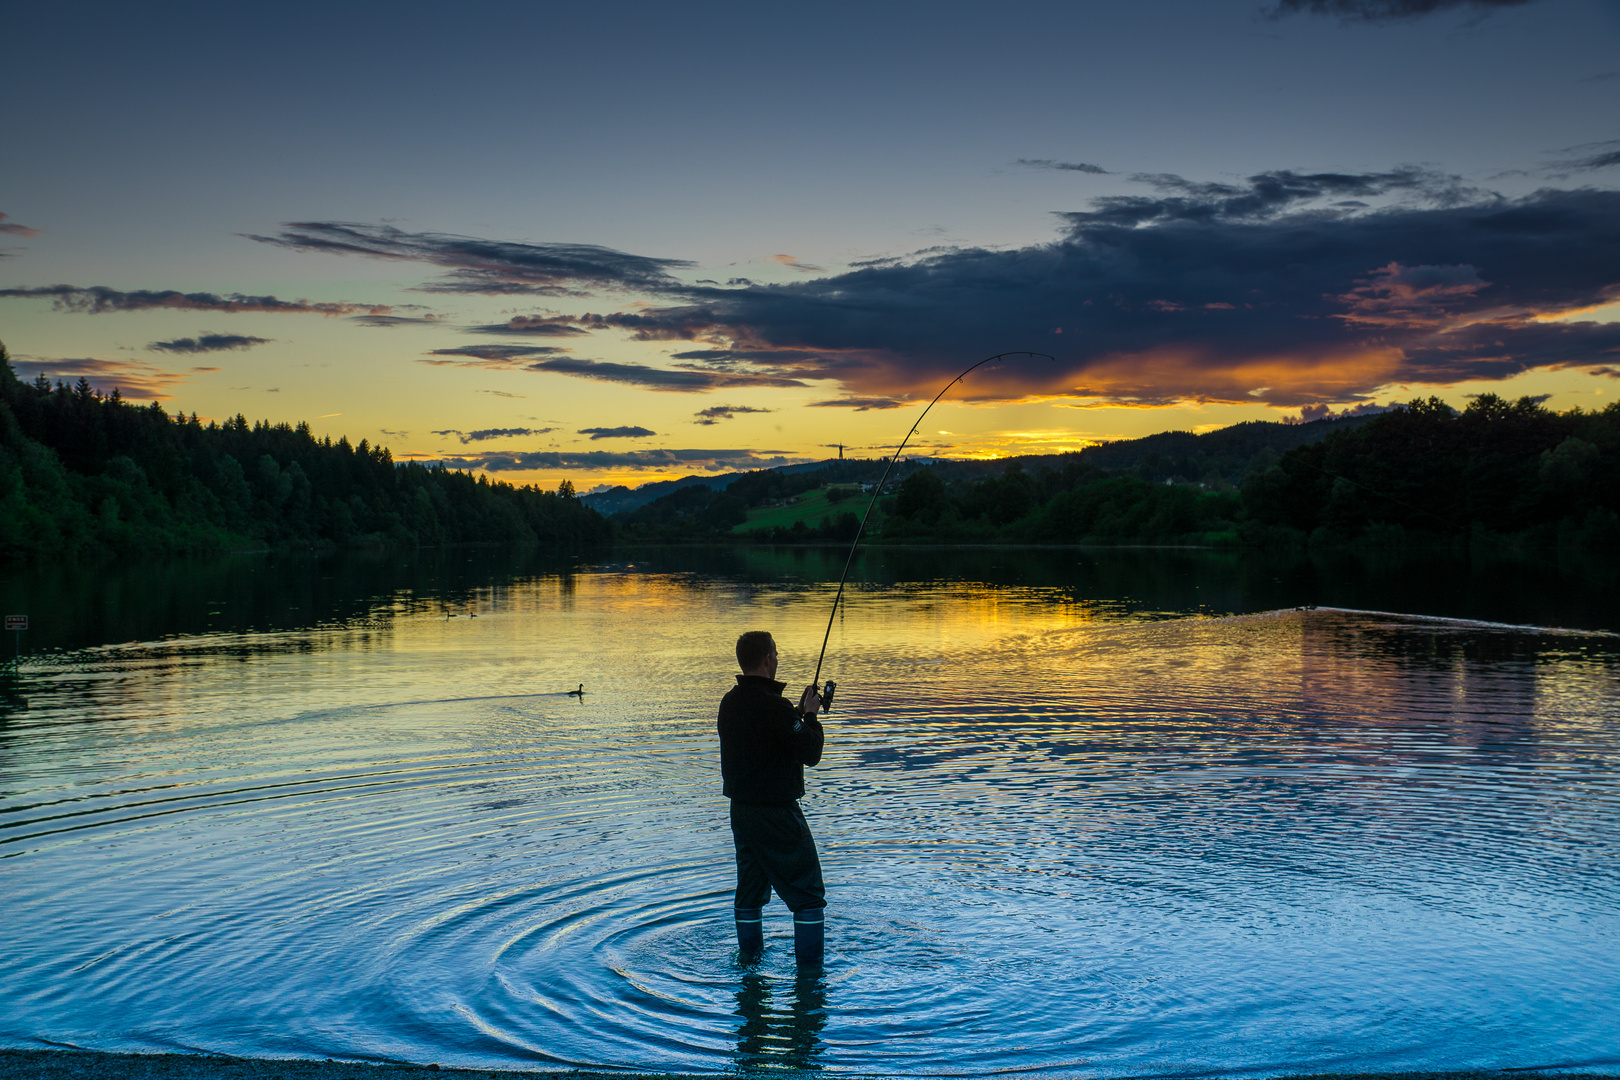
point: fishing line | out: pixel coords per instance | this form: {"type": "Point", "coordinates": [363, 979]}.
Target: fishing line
{"type": "Point", "coordinates": [878, 490]}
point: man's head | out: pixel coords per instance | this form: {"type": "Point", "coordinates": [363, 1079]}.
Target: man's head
{"type": "Point", "coordinates": [756, 654]}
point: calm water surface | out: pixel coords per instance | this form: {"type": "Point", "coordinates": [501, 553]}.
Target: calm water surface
{"type": "Point", "coordinates": [1068, 828]}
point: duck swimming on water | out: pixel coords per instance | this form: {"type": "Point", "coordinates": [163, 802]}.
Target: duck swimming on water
{"type": "Point", "coordinates": [580, 693]}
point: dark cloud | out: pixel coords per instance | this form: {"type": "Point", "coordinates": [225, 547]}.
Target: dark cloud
{"type": "Point", "coordinates": [131, 378]}
{"type": "Point", "coordinates": [1603, 155]}
{"type": "Point", "coordinates": [687, 380]}
{"type": "Point", "coordinates": [490, 267]}
{"type": "Point", "coordinates": [1265, 196]}
{"type": "Point", "coordinates": [495, 356]}
{"type": "Point", "coordinates": [1384, 10]}
{"type": "Point", "coordinates": [97, 300]}
{"type": "Point", "coordinates": [734, 359]}
{"type": "Point", "coordinates": [716, 413]}
{"type": "Point", "coordinates": [386, 322]}
{"type": "Point", "coordinates": [533, 326]}
{"type": "Point", "coordinates": [639, 460]}
{"type": "Point", "coordinates": [485, 434]}
{"type": "Point", "coordinates": [203, 343]}
{"type": "Point", "coordinates": [1288, 288]}
{"type": "Point", "coordinates": [616, 432]}
{"type": "Point", "coordinates": [661, 379]}
{"type": "Point", "coordinates": [1063, 166]}
{"type": "Point", "coordinates": [859, 404]}
{"type": "Point", "coordinates": [11, 228]}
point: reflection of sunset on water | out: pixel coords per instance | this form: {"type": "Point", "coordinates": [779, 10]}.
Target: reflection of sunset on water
{"type": "Point", "coordinates": [1061, 824]}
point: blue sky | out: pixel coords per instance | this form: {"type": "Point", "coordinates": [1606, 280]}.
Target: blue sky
{"type": "Point", "coordinates": [622, 242]}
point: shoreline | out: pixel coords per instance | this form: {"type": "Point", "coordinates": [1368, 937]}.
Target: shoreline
{"type": "Point", "coordinates": [102, 1065]}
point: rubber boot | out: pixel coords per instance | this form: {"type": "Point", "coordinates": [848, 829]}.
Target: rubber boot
{"type": "Point", "coordinates": [809, 936]}
{"type": "Point", "coordinates": [750, 931]}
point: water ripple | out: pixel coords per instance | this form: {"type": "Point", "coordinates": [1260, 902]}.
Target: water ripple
{"type": "Point", "coordinates": [1289, 842]}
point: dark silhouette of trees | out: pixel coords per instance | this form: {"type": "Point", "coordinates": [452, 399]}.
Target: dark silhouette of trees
{"type": "Point", "coordinates": [1430, 474]}
{"type": "Point", "coordinates": [1421, 474]}
{"type": "Point", "coordinates": [85, 474]}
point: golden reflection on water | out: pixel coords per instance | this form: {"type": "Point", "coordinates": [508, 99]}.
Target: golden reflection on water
{"type": "Point", "coordinates": [1057, 836]}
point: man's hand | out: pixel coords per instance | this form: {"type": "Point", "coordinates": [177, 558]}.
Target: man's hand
{"type": "Point", "coordinates": [810, 701]}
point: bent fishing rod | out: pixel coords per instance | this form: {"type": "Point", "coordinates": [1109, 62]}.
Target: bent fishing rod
{"type": "Point", "coordinates": [878, 490]}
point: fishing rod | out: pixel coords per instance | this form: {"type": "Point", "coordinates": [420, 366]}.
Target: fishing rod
{"type": "Point", "coordinates": [861, 530]}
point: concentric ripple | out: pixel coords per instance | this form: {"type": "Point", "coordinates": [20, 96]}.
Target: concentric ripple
{"type": "Point", "coordinates": [1275, 843]}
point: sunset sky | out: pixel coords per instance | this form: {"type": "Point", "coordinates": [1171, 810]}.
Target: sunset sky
{"type": "Point", "coordinates": [620, 242]}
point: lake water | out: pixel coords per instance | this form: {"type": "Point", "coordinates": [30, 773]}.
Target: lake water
{"type": "Point", "coordinates": [1105, 814]}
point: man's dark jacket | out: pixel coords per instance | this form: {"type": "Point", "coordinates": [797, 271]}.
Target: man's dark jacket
{"type": "Point", "coordinates": [764, 745]}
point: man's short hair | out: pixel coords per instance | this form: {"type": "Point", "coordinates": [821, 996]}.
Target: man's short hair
{"type": "Point", "coordinates": [752, 649]}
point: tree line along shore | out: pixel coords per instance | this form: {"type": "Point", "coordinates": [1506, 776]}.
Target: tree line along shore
{"type": "Point", "coordinates": [83, 474]}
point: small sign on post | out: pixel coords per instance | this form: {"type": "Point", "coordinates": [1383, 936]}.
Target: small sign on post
{"type": "Point", "coordinates": [19, 623]}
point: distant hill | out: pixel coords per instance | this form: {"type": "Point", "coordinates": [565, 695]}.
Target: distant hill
{"type": "Point", "coordinates": [1223, 456]}
{"type": "Point", "coordinates": [1226, 454]}
{"type": "Point", "coordinates": [622, 500]}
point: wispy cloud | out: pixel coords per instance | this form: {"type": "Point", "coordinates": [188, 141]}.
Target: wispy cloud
{"type": "Point", "coordinates": [793, 263]}
{"type": "Point", "coordinates": [133, 379]}
{"type": "Point", "coordinates": [485, 434]}
{"type": "Point", "coordinates": [616, 432]}
{"type": "Point", "coordinates": [97, 300]}
{"type": "Point", "coordinates": [1063, 166]}
{"type": "Point", "coordinates": [1385, 10]}
{"type": "Point", "coordinates": [490, 356]}
{"type": "Point", "coordinates": [859, 404]}
{"type": "Point", "coordinates": [660, 379]}
{"type": "Point", "coordinates": [204, 343]}
{"type": "Point", "coordinates": [533, 326]}
{"type": "Point", "coordinates": [716, 413]}
{"type": "Point", "coordinates": [1598, 155]}
{"type": "Point", "coordinates": [11, 228]}
{"type": "Point", "coordinates": [489, 267]}
{"type": "Point", "coordinates": [387, 322]}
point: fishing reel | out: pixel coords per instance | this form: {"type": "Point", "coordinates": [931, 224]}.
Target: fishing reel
{"type": "Point", "coordinates": [826, 693]}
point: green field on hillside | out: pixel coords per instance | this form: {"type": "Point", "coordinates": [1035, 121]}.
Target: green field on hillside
{"type": "Point", "coordinates": [810, 508]}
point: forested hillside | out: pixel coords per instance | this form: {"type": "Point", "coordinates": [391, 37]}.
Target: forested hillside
{"type": "Point", "coordinates": [82, 474]}
{"type": "Point", "coordinates": [1174, 487]}
{"type": "Point", "coordinates": [1427, 472]}
{"type": "Point", "coordinates": [1423, 473]}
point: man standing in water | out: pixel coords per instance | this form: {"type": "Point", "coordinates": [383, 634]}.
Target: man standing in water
{"type": "Point", "coordinates": [765, 743]}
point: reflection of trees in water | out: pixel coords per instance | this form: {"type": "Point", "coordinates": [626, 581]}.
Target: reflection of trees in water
{"type": "Point", "coordinates": [785, 1032]}
{"type": "Point", "coordinates": [1565, 589]}
{"type": "Point", "coordinates": [1481, 683]}
{"type": "Point", "coordinates": [73, 607]}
